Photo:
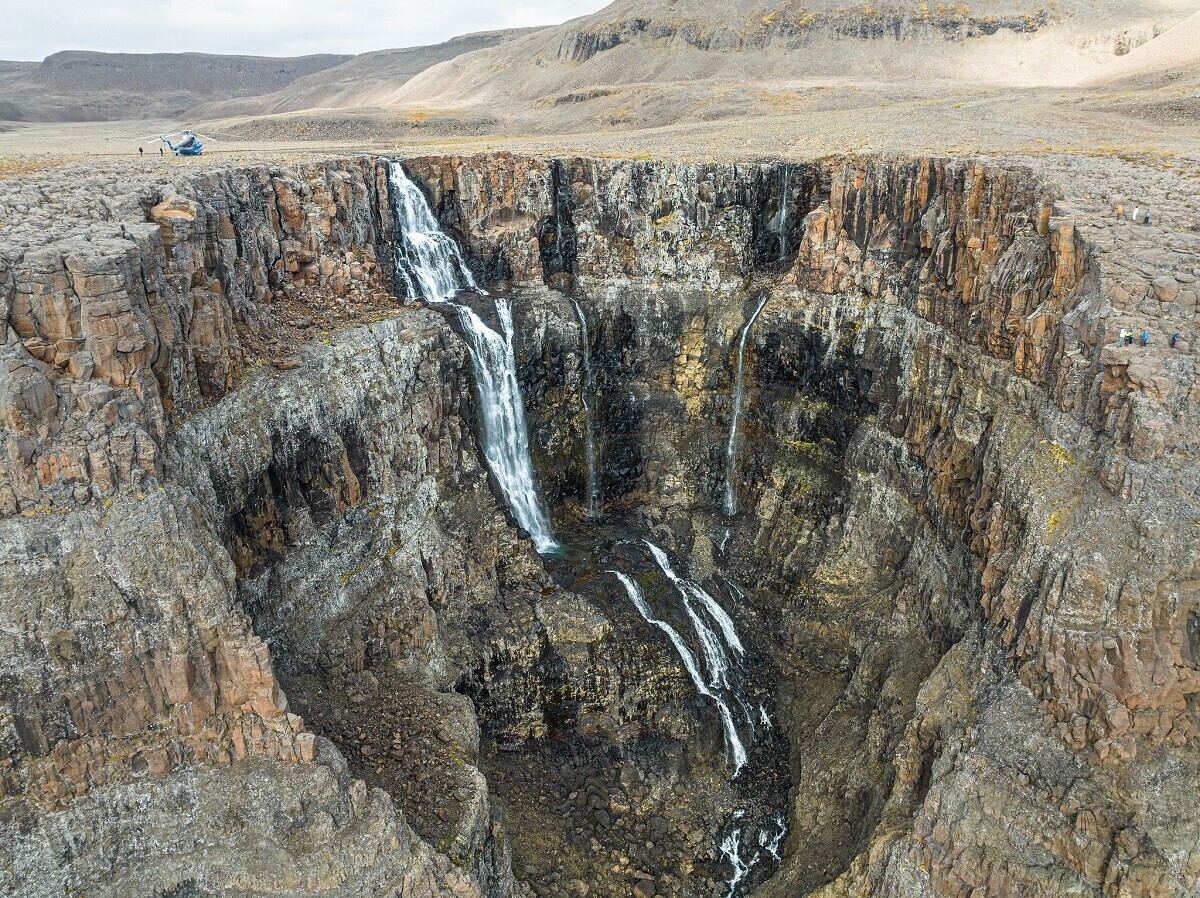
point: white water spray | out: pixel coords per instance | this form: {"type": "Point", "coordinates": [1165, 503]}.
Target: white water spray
{"type": "Point", "coordinates": [432, 268]}
{"type": "Point", "coordinates": [737, 751]}
{"type": "Point", "coordinates": [773, 841]}
{"type": "Point", "coordinates": [783, 211]}
{"type": "Point", "coordinates": [730, 505]}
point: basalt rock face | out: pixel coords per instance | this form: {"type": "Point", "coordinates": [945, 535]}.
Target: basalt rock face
{"type": "Point", "coordinates": [142, 714]}
{"type": "Point", "coordinates": [687, 225]}
{"type": "Point", "coordinates": [948, 456]}
{"type": "Point", "coordinates": [244, 606]}
{"type": "Point", "coordinates": [131, 303]}
{"type": "Point", "coordinates": [1027, 445]}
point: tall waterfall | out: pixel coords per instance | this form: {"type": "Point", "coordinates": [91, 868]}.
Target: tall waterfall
{"type": "Point", "coordinates": [504, 435]}
{"type": "Point", "coordinates": [736, 749]}
{"type": "Point", "coordinates": [783, 211]}
{"type": "Point", "coordinates": [431, 266]}
{"type": "Point", "coordinates": [730, 503]}
{"type": "Point", "coordinates": [589, 437]}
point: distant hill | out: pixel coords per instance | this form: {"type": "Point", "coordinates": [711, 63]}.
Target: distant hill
{"type": "Point", "coordinates": [79, 86]}
{"type": "Point", "coordinates": [648, 63]}
{"type": "Point", "coordinates": [356, 83]}
{"type": "Point", "coordinates": [652, 63]}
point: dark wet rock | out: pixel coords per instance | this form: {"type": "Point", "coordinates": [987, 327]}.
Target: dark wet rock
{"type": "Point", "coordinates": [965, 536]}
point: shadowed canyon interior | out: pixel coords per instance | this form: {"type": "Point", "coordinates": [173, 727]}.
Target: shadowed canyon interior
{"type": "Point", "coordinates": [505, 525]}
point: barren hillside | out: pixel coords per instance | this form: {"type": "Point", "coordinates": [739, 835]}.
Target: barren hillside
{"type": "Point", "coordinates": [78, 86]}
{"type": "Point", "coordinates": [351, 84]}
{"type": "Point", "coordinates": [649, 65]}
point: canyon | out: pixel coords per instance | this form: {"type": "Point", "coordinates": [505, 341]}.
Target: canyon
{"type": "Point", "coordinates": [548, 525]}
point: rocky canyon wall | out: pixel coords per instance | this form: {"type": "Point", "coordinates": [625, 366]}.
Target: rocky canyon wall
{"type": "Point", "coordinates": [949, 446]}
{"type": "Point", "coordinates": [251, 548]}
{"type": "Point", "coordinates": [151, 379]}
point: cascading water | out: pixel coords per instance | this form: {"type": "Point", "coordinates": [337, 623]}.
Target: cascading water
{"type": "Point", "coordinates": [783, 211]}
{"type": "Point", "coordinates": [739, 849]}
{"type": "Point", "coordinates": [690, 588]}
{"type": "Point", "coordinates": [589, 444]}
{"type": "Point", "coordinates": [504, 435]}
{"type": "Point", "coordinates": [427, 261]}
{"type": "Point", "coordinates": [432, 268]}
{"type": "Point", "coordinates": [737, 750]}
{"type": "Point", "coordinates": [730, 504]}
{"type": "Point", "coordinates": [770, 837]}
{"type": "Point", "coordinates": [731, 847]}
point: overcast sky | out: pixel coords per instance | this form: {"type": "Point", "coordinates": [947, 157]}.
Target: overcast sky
{"type": "Point", "coordinates": [33, 30]}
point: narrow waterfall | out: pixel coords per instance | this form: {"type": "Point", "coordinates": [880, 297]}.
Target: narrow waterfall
{"type": "Point", "coordinates": [432, 268]}
{"type": "Point", "coordinates": [589, 436]}
{"type": "Point", "coordinates": [773, 842]}
{"type": "Point", "coordinates": [783, 211]}
{"type": "Point", "coordinates": [744, 845]}
{"type": "Point", "coordinates": [737, 750]}
{"type": "Point", "coordinates": [717, 660]}
{"type": "Point", "coordinates": [692, 588]}
{"type": "Point", "coordinates": [504, 435]}
{"type": "Point", "coordinates": [730, 503]}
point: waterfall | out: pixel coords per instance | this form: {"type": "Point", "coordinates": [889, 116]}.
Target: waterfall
{"type": "Point", "coordinates": [431, 266]}
{"type": "Point", "coordinates": [769, 840]}
{"type": "Point", "coordinates": [503, 432]}
{"type": "Point", "coordinates": [783, 211]}
{"type": "Point", "coordinates": [427, 261]}
{"type": "Point", "coordinates": [692, 588]}
{"type": "Point", "coordinates": [736, 845]}
{"type": "Point", "coordinates": [691, 665]}
{"type": "Point", "coordinates": [589, 438]}
{"type": "Point", "coordinates": [730, 504]}
{"type": "Point", "coordinates": [716, 657]}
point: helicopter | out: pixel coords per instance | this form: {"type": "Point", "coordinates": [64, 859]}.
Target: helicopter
{"type": "Point", "coordinates": [189, 145]}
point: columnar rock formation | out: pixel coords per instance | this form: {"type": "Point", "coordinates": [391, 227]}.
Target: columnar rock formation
{"type": "Point", "coordinates": [967, 535]}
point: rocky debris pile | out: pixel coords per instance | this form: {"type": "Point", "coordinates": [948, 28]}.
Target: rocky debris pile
{"type": "Point", "coordinates": [418, 746]}
{"type": "Point", "coordinates": [587, 821]}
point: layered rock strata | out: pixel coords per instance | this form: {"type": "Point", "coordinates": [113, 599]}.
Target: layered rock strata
{"type": "Point", "coordinates": [966, 534]}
